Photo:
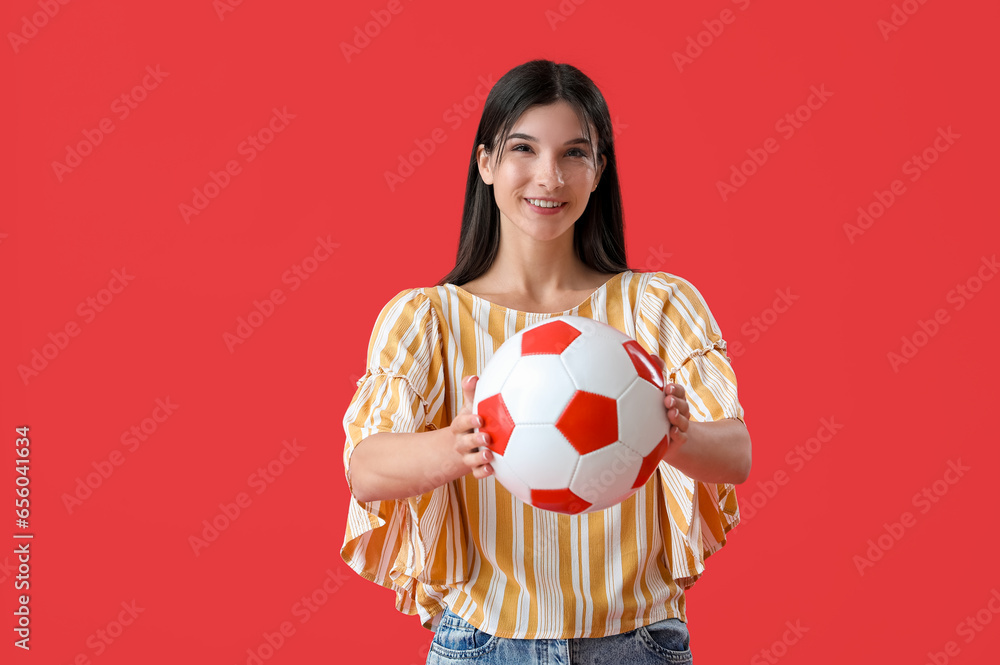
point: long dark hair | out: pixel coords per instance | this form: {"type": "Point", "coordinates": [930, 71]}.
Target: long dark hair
{"type": "Point", "coordinates": [599, 234]}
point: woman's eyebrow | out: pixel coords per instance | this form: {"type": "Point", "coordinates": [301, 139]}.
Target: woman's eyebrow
{"type": "Point", "coordinates": [526, 137]}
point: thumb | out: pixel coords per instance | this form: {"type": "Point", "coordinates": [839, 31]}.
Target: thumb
{"type": "Point", "coordinates": [469, 391]}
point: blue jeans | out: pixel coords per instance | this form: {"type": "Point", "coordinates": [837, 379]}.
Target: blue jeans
{"type": "Point", "coordinates": [457, 641]}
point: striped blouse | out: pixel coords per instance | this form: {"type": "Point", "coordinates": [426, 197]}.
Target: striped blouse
{"type": "Point", "coordinates": [505, 567]}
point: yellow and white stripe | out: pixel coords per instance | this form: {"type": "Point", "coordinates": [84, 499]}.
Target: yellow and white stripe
{"type": "Point", "coordinates": [502, 565]}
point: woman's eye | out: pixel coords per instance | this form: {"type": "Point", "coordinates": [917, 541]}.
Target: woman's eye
{"type": "Point", "coordinates": [572, 152]}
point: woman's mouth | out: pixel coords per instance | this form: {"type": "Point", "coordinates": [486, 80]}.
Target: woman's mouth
{"type": "Point", "coordinates": [545, 207]}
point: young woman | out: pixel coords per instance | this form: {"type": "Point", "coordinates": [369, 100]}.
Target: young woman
{"type": "Point", "coordinates": [500, 581]}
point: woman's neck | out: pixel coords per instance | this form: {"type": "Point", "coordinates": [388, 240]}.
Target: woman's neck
{"type": "Point", "coordinates": [539, 282]}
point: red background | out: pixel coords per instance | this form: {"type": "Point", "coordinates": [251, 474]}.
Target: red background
{"type": "Point", "coordinates": [679, 132]}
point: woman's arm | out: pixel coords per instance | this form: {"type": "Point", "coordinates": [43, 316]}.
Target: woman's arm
{"type": "Point", "coordinates": [391, 465]}
{"type": "Point", "coordinates": [398, 465]}
{"type": "Point", "coordinates": [712, 452]}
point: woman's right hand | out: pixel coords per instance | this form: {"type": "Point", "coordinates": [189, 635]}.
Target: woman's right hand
{"type": "Point", "coordinates": [469, 444]}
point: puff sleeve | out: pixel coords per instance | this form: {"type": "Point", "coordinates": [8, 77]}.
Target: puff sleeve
{"type": "Point", "coordinates": [394, 543]}
{"type": "Point", "coordinates": [675, 323]}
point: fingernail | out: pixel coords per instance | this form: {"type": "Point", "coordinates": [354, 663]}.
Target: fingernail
{"type": "Point", "coordinates": [670, 402]}
{"type": "Point", "coordinates": [485, 458]}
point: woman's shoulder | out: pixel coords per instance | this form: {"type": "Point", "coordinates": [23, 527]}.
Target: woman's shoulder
{"type": "Point", "coordinates": [411, 304]}
{"type": "Point", "coordinates": [663, 288]}
{"type": "Point", "coordinates": [675, 297]}
{"type": "Point", "coordinates": [660, 278]}
{"type": "Point", "coordinates": [414, 296]}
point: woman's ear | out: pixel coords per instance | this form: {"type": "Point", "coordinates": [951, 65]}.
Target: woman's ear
{"type": "Point", "coordinates": [600, 170]}
{"type": "Point", "coordinates": [485, 168]}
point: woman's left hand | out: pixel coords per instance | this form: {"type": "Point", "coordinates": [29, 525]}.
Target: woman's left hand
{"type": "Point", "coordinates": [721, 452]}
{"type": "Point", "coordinates": [676, 404]}
{"type": "Point", "coordinates": [678, 412]}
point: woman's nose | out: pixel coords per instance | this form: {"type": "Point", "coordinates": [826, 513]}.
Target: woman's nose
{"type": "Point", "coordinates": [549, 174]}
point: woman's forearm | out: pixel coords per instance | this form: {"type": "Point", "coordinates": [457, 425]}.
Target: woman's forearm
{"type": "Point", "coordinates": [715, 452]}
{"type": "Point", "coordinates": [396, 465]}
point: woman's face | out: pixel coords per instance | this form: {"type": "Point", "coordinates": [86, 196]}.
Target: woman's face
{"type": "Point", "coordinates": [547, 173]}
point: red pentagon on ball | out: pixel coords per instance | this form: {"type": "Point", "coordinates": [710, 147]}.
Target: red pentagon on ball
{"type": "Point", "coordinates": [562, 500]}
{"type": "Point", "coordinates": [552, 338]}
{"type": "Point", "coordinates": [496, 422]}
{"type": "Point", "coordinates": [650, 462]}
{"type": "Point", "coordinates": [589, 421]}
{"type": "Point", "coordinates": [644, 364]}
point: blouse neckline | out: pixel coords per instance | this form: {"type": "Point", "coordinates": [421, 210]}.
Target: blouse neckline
{"type": "Point", "coordinates": [603, 287]}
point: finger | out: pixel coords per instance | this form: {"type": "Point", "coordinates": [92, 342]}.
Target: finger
{"type": "Point", "coordinates": [675, 389]}
{"type": "Point", "coordinates": [678, 419]}
{"type": "Point", "coordinates": [479, 459]}
{"type": "Point", "coordinates": [486, 469]}
{"type": "Point", "coordinates": [677, 436]}
{"type": "Point", "coordinates": [471, 442]}
{"type": "Point", "coordinates": [680, 404]}
{"type": "Point", "coordinates": [469, 390]}
{"type": "Point", "coordinates": [467, 422]}
{"type": "Point", "coordinates": [673, 404]}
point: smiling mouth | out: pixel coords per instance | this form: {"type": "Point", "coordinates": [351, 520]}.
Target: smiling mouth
{"type": "Point", "coordinates": [542, 203]}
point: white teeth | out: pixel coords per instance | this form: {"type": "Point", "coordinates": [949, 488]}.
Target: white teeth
{"type": "Point", "coordinates": [545, 204]}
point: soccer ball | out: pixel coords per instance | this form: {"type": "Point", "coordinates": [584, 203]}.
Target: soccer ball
{"type": "Point", "coordinates": [574, 409]}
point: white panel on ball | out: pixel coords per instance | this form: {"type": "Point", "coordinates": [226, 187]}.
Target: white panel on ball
{"type": "Point", "coordinates": [531, 375]}
{"type": "Point", "coordinates": [509, 479]}
{"type": "Point", "coordinates": [602, 366]}
{"type": "Point", "coordinates": [498, 368]}
{"type": "Point", "coordinates": [642, 417]}
{"type": "Point", "coordinates": [541, 457]}
{"type": "Point", "coordinates": [604, 477]}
